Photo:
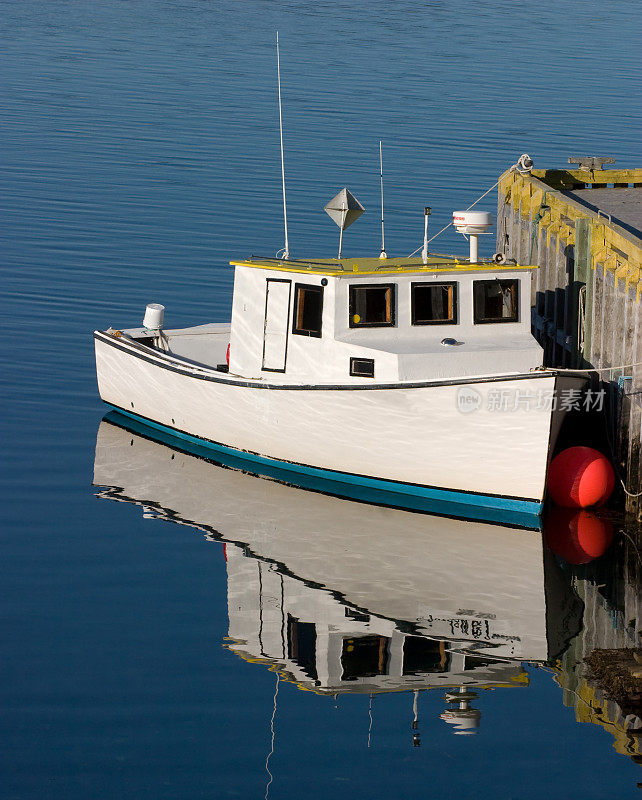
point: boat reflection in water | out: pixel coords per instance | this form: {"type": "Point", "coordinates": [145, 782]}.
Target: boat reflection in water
{"type": "Point", "coordinates": [344, 597]}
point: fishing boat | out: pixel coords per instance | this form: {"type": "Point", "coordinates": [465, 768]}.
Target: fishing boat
{"type": "Point", "coordinates": [408, 382]}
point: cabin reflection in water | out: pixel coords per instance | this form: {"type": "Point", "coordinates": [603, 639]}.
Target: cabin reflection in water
{"type": "Point", "coordinates": [321, 643]}
{"type": "Point", "coordinates": [343, 597]}
{"type": "Point", "coordinates": [328, 645]}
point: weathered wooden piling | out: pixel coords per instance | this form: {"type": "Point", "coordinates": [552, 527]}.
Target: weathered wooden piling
{"type": "Point", "coordinates": [583, 227]}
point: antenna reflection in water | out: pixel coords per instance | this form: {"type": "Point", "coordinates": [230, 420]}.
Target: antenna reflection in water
{"type": "Point", "coordinates": [346, 598]}
{"type": "Point", "coordinates": [271, 753]}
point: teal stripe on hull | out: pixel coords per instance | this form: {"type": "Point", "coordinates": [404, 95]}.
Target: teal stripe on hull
{"type": "Point", "coordinates": [502, 510]}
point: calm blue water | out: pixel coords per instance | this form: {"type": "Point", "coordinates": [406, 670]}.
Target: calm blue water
{"type": "Point", "coordinates": [139, 154]}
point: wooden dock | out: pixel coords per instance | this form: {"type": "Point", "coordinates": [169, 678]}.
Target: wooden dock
{"type": "Point", "coordinates": [583, 227]}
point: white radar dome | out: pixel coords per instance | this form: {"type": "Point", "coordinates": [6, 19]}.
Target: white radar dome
{"type": "Point", "coordinates": [474, 222]}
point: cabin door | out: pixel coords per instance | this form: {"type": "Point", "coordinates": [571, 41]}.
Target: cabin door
{"type": "Point", "coordinates": [277, 324]}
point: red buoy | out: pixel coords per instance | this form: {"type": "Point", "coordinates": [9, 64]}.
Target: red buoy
{"type": "Point", "coordinates": [577, 536]}
{"type": "Point", "coordinates": [227, 355]}
{"type": "Point", "coordinates": [580, 477]}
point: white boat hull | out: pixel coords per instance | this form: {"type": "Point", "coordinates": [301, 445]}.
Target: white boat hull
{"type": "Point", "coordinates": [416, 435]}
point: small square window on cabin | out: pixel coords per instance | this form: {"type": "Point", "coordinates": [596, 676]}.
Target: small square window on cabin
{"type": "Point", "coordinates": [372, 306]}
{"type": "Point", "coordinates": [434, 303]}
{"type": "Point", "coordinates": [496, 301]}
{"type": "Point", "coordinates": [308, 310]}
{"type": "Point", "coordinates": [362, 367]}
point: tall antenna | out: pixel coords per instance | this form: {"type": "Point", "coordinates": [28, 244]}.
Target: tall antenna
{"type": "Point", "coordinates": [382, 254]}
{"type": "Point", "coordinates": [286, 249]}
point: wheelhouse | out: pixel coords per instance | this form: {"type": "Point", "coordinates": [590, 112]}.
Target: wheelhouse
{"type": "Point", "coordinates": [365, 320]}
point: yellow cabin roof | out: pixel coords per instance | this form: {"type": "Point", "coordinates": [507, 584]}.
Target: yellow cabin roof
{"type": "Point", "coordinates": [376, 266]}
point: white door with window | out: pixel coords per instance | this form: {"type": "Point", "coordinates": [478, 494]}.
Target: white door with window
{"type": "Point", "coordinates": [277, 324]}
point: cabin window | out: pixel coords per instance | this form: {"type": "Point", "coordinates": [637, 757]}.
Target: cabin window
{"type": "Point", "coordinates": [434, 303]}
{"type": "Point", "coordinates": [372, 306]}
{"type": "Point", "coordinates": [362, 367]}
{"type": "Point", "coordinates": [308, 310]}
{"type": "Point", "coordinates": [423, 655]}
{"type": "Point", "coordinates": [475, 662]}
{"type": "Point", "coordinates": [496, 301]}
{"type": "Point", "coordinates": [302, 645]}
{"type": "Point", "coordinates": [364, 657]}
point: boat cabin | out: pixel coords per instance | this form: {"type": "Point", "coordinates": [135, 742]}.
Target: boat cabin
{"type": "Point", "coordinates": [359, 320]}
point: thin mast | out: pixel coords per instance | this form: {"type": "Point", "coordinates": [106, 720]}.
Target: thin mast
{"type": "Point", "coordinates": [382, 254]}
{"type": "Point", "coordinates": [286, 249]}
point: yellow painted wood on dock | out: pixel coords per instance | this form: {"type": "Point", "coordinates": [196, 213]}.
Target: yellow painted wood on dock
{"type": "Point", "coordinates": [572, 178]}
{"type": "Point", "coordinates": [537, 199]}
{"type": "Point", "coordinates": [597, 710]}
{"type": "Point", "coordinates": [612, 247]}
